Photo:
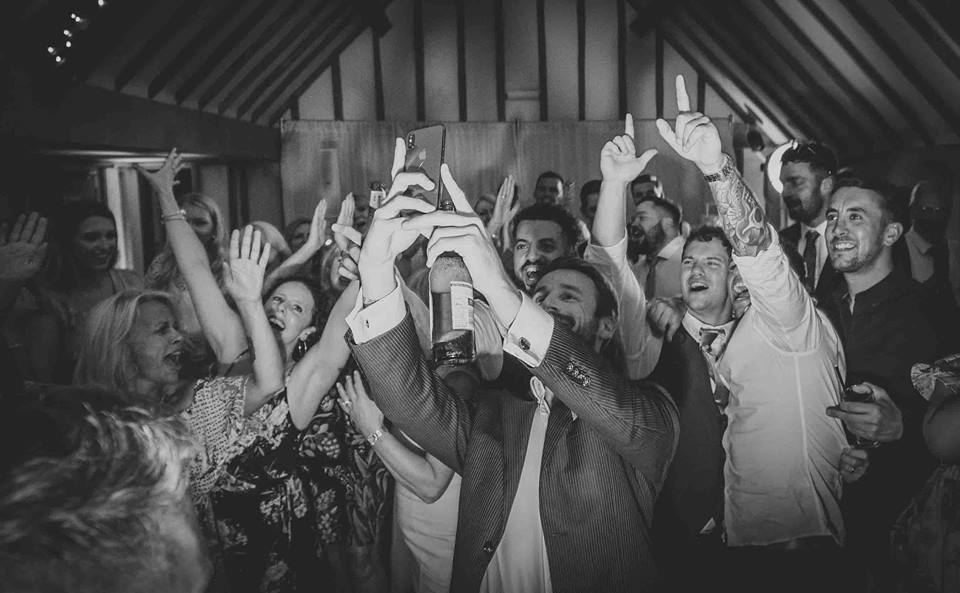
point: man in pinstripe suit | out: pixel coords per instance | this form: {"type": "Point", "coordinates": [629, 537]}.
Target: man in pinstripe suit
{"type": "Point", "coordinates": [560, 471]}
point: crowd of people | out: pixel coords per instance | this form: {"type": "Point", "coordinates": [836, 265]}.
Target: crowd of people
{"type": "Point", "coordinates": [653, 406]}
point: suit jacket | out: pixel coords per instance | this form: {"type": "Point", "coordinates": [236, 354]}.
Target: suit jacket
{"type": "Point", "coordinates": [829, 278]}
{"type": "Point", "coordinates": [693, 491]}
{"type": "Point", "coordinates": [600, 474]}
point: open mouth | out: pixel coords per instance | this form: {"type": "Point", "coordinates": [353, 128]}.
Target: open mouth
{"type": "Point", "coordinates": [531, 273]}
{"type": "Point", "coordinates": [276, 323]}
{"type": "Point", "coordinates": [698, 286]}
{"type": "Point", "coordinates": [843, 245]}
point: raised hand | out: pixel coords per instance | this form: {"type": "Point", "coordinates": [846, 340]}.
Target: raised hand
{"type": "Point", "coordinates": [345, 221]}
{"type": "Point", "coordinates": [163, 179]}
{"type": "Point", "coordinates": [22, 250]}
{"type": "Point", "coordinates": [246, 265]}
{"type": "Point", "coordinates": [693, 136]}
{"type": "Point", "coordinates": [364, 413]}
{"type": "Point", "coordinates": [502, 212]}
{"type": "Point", "coordinates": [318, 227]}
{"type": "Point", "coordinates": [618, 157]}
{"type": "Point", "coordinates": [348, 240]}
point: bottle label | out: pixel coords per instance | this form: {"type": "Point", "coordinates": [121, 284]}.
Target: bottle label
{"type": "Point", "coordinates": [461, 305]}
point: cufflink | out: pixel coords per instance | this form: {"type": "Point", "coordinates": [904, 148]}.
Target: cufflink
{"type": "Point", "coordinates": [524, 344]}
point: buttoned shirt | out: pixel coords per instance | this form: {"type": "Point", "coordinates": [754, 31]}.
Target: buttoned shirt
{"type": "Point", "coordinates": [781, 475]}
{"type": "Point", "coordinates": [711, 354]}
{"type": "Point", "coordinates": [666, 270]}
{"type": "Point", "coordinates": [641, 349]}
{"type": "Point", "coordinates": [821, 245]}
{"type": "Point", "coordinates": [921, 258]}
{"type": "Point", "coordinates": [520, 562]}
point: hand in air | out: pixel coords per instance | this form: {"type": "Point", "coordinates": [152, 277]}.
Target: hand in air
{"type": "Point", "coordinates": [246, 265]}
{"type": "Point", "coordinates": [163, 179]}
{"type": "Point", "coordinates": [693, 135]}
{"type": "Point", "coordinates": [502, 212]}
{"type": "Point", "coordinates": [318, 228]}
{"type": "Point", "coordinates": [22, 250]}
{"type": "Point", "coordinates": [348, 240]}
{"type": "Point", "coordinates": [618, 158]}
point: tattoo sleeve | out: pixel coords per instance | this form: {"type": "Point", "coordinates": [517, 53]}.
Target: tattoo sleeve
{"type": "Point", "coordinates": [743, 220]}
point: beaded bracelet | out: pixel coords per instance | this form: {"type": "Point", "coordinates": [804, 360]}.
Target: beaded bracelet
{"type": "Point", "coordinates": [178, 215]}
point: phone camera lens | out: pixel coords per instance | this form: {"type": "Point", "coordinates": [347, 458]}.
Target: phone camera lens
{"type": "Point", "coordinates": [411, 141]}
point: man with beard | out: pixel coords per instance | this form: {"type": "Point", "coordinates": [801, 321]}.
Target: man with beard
{"type": "Point", "coordinates": [540, 234]}
{"type": "Point", "coordinates": [560, 473]}
{"type": "Point", "coordinates": [880, 314]}
{"type": "Point", "coordinates": [657, 243]}
{"type": "Point", "coordinates": [808, 179]}
{"type": "Point", "coordinates": [548, 190]}
{"type": "Point", "coordinates": [644, 187]}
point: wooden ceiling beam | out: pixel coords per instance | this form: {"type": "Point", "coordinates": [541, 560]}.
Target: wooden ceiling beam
{"type": "Point", "coordinates": [296, 12]}
{"type": "Point", "coordinates": [889, 47]}
{"type": "Point", "coordinates": [893, 95]}
{"type": "Point", "coordinates": [193, 48]}
{"type": "Point", "coordinates": [297, 40]}
{"type": "Point", "coordinates": [934, 39]}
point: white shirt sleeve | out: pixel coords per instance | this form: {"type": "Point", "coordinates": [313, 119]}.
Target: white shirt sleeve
{"type": "Point", "coordinates": [528, 337]}
{"type": "Point", "coordinates": [786, 313]}
{"type": "Point", "coordinates": [376, 319]}
{"type": "Point", "coordinates": [640, 347]}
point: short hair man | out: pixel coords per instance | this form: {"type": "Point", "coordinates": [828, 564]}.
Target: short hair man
{"type": "Point", "coordinates": [655, 230]}
{"type": "Point", "coordinates": [559, 472]}
{"type": "Point", "coordinates": [548, 189]}
{"type": "Point", "coordinates": [484, 207]}
{"type": "Point", "coordinates": [95, 499]}
{"type": "Point", "coordinates": [540, 234]}
{"type": "Point", "coordinates": [808, 176]}
{"type": "Point", "coordinates": [589, 194]}
{"type": "Point", "coordinates": [880, 314]}
{"type": "Point", "coordinates": [646, 186]}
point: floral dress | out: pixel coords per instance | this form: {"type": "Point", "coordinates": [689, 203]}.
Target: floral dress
{"type": "Point", "coordinates": [288, 501]}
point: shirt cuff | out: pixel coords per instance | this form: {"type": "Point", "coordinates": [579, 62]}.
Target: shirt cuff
{"type": "Point", "coordinates": [378, 318]}
{"type": "Point", "coordinates": [530, 333]}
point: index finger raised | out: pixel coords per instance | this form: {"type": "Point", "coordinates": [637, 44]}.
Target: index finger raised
{"type": "Point", "coordinates": [456, 194]}
{"type": "Point", "coordinates": [628, 128]}
{"type": "Point", "coordinates": [399, 155]}
{"type": "Point", "coordinates": [683, 101]}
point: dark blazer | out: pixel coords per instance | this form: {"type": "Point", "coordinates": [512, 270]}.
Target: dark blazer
{"type": "Point", "coordinates": [600, 473]}
{"type": "Point", "coordinates": [693, 491]}
{"type": "Point", "coordinates": [829, 278]}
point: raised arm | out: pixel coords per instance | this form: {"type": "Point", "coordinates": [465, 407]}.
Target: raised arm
{"type": "Point", "coordinates": [243, 278]}
{"type": "Point", "coordinates": [221, 325]}
{"type": "Point", "coordinates": [696, 139]}
{"type": "Point", "coordinates": [421, 473]}
{"type": "Point", "coordinates": [289, 266]}
{"type": "Point", "coordinates": [22, 252]}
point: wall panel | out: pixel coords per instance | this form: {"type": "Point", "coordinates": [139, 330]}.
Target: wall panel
{"type": "Point", "coordinates": [480, 61]}
{"type": "Point", "coordinates": [356, 73]}
{"type": "Point", "coordinates": [560, 18]}
{"type": "Point", "coordinates": [396, 53]}
{"type": "Point", "coordinates": [601, 60]}
{"type": "Point", "coordinates": [440, 60]}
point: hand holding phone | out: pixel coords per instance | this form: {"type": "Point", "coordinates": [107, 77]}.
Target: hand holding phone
{"type": "Point", "coordinates": [425, 147]}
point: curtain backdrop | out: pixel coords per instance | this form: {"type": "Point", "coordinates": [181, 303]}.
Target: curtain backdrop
{"type": "Point", "coordinates": [326, 159]}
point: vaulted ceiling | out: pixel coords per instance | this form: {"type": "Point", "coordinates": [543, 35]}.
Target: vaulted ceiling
{"type": "Point", "coordinates": [864, 75]}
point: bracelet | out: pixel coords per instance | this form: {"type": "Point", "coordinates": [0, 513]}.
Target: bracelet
{"type": "Point", "coordinates": [178, 215]}
{"type": "Point", "coordinates": [724, 172]}
{"type": "Point", "coordinates": [375, 436]}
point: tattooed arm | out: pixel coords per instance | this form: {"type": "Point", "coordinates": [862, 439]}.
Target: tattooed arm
{"type": "Point", "coordinates": [696, 139]}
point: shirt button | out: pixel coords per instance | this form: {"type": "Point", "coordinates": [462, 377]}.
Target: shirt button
{"type": "Point", "coordinates": [524, 344]}
{"type": "Point", "coordinates": [488, 547]}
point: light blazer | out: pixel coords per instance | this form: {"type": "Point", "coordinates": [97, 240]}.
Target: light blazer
{"type": "Point", "coordinates": [600, 475]}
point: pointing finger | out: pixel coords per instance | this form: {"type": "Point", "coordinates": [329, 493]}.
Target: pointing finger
{"type": "Point", "coordinates": [399, 155]}
{"type": "Point", "coordinates": [628, 128]}
{"type": "Point", "coordinates": [456, 194]}
{"type": "Point", "coordinates": [683, 101]}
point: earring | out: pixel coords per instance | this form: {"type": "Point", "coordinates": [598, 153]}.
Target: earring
{"type": "Point", "coordinates": [300, 350]}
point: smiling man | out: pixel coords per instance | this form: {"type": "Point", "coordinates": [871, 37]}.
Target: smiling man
{"type": "Point", "coordinates": [540, 234]}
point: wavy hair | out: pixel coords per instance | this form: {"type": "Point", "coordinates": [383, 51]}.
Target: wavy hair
{"type": "Point", "coordinates": [61, 271]}
{"type": "Point", "coordinates": [105, 358]}
{"type": "Point", "coordinates": [163, 271]}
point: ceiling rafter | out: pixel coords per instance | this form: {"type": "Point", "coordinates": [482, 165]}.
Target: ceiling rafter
{"type": "Point", "coordinates": [893, 95]}
{"type": "Point", "coordinates": [943, 11]}
{"type": "Point", "coordinates": [294, 41]}
{"type": "Point", "coordinates": [312, 44]}
{"type": "Point", "coordinates": [194, 47]}
{"type": "Point", "coordinates": [232, 40]}
{"type": "Point", "coordinates": [104, 34]}
{"type": "Point", "coordinates": [748, 63]}
{"type": "Point", "coordinates": [933, 38]}
{"type": "Point", "coordinates": [908, 70]}
{"type": "Point", "coordinates": [670, 27]}
{"type": "Point", "coordinates": [744, 19]}
{"type": "Point", "coordinates": [284, 97]}
{"type": "Point", "coordinates": [297, 12]}
{"type": "Point", "coordinates": [838, 78]}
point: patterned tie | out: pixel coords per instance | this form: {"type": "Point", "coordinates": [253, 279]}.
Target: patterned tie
{"type": "Point", "coordinates": [810, 261]}
{"type": "Point", "coordinates": [708, 335]}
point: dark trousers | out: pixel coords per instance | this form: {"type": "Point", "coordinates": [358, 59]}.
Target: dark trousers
{"type": "Point", "coordinates": [813, 565]}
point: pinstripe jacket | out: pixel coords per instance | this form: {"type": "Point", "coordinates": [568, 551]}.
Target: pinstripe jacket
{"type": "Point", "coordinates": [600, 475]}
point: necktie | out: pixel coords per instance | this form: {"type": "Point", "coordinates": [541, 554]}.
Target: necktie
{"type": "Point", "coordinates": [650, 286]}
{"type": "Point", "coordinates": [708, 338]}
{"type": "Point", "coordinates": [709, 335]}
{"type": "Point", "coordinates": [810, 261]}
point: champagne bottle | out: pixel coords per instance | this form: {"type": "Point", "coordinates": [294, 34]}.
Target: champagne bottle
{"type": "Point", "coordinates": [451, 306]}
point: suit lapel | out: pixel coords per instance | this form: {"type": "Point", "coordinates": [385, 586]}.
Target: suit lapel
{"type": "Point", "coordinates": [516, 419]}
{"type": "Point", "coordinates": [560, 420]}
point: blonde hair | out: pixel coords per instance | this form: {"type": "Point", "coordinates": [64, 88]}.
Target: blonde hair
{"type": "Point", "coordinates": [163, 270]}
{"type": "Point", "coordinates": [105, 359]}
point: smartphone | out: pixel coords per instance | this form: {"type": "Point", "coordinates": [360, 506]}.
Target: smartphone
{"type": "Point", "coordinates": [425, 155]}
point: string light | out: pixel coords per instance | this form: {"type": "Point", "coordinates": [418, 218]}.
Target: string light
{"type": "Point", "coordinates": [67, 44]}
{"type": "Point", "coordinates": [67, 33]}
{"type": "Point", "coordinates": [78, 23]}
{"type": "Point", "coordinates": [51, 50]}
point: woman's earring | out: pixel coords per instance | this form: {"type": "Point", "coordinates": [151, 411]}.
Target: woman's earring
{"type": "Point", "coordinates": [300, 350]}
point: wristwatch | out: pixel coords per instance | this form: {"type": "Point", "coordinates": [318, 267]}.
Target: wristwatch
{"type": "Point", "coordinates": [724, 172]}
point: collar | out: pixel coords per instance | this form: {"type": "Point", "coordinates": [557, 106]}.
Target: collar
{"type": "Point", "coordinates": [673, 247]}
{"type": "Point", "coordinates": [918, 243]}
{"type": "Point", "coordinates": [693, 326]}
{"type": "Point", "coordinates": [820, 228]}
{"type": "Point", "coordinates": [895, 284]}
{"type": "Point", "coordinates": [544, 396]}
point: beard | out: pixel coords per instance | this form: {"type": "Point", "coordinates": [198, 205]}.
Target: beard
{"type": "Point", "coordinates": [846, 262]}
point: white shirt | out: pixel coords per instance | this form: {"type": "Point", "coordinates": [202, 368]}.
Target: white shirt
{"type": "Point", "coordinates": [781, 475]}
{"type": "Point", "coordinates": [821, 245]}
{"type": "Point", "coordinates": [519, 564]}
{"type": "Point", "coordinates": [921, 261]}
{"type": "Point", "coordinates": [640, 347]}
